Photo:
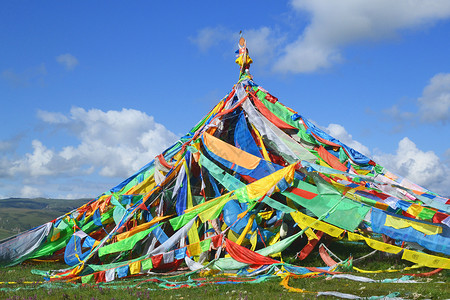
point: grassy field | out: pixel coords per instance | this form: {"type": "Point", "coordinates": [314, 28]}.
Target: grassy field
{"type": "Point", "coordinates": [435, 287]}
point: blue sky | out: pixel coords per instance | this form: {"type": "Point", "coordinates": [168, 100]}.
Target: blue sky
{"type": "Point", "coordinates": [91, 91]}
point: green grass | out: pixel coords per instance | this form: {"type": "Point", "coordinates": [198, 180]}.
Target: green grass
{"type": "Point", "coordinates": [435, 287]}
{"type": "Point", "coordinates": [431, 288]}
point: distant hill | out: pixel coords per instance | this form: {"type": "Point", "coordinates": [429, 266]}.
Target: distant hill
{"type": "Point", "coordinates": [20, 214]}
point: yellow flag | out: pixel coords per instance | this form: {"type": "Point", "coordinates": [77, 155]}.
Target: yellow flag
{"type": "Point", "coordinates": [301, 222]}
{"type": "Point", "coordinates": [427, 260]}
{"type": "Point", "coordinates": [263, 148]}
{"type": "Point", "coordinates": [377, 245]}
{"type": "Point", "coordinates": [399, 223]}
{"type": "Point", "coordinates": [135, 267]}
{"type": "Point", "coordinates": [260, 187]}
{"type": "Point", "coordinates": [318, 225]}
{"type": "Point", "coordinates": [194, 249]}
{"type": "Point", "coordinates": [253, 240]}
{"type": "Point", "coordinates": [246, 229]}
{"type": "Point", "coordinates": [354, 237]}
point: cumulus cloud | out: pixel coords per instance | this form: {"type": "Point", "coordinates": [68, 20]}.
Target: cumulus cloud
{"type": "Point", "coordinates": [30, 192]}
{"type": "Point", "coordinates": [336, 24]}
{"type": "Point", "coordinates": [434, 105]}
{"type": "Point", "coordinates": [110, 143]}
{"type": "Point", "coordinates": [421, 167]}
{"type": "Point", "coordinates": [117, 142]}
{"type": "Point", "coordinates": [36, 163]}
{"type": "Point", "coordinates": [67, 60]}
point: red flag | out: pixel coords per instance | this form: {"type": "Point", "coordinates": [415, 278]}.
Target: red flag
{"type": "Point", "coordinates": [143, 206]}
{"type": "Point", "coordinates": [99, 277]}
{"type": "Point", "coordinates": [310, 246]}
{"type": "Point", "coordinates": [247, 256]}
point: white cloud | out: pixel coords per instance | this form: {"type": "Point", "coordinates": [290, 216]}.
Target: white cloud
{"type": "Point", "coordinates": [117, 142]}
{"type": "Point", "coordinates": [67, 60]}
{"type": "Point", "coordinates": [111, 144]}
{"type": "Point", "coordinates": [30, 192]}
{"type": "Point", "coordinates": [338, 131]}
{"type": "Point", "coordinates": [262, 43]}
{"type": "Point", "coordinates": [337, 23]}
{"type": "Point", "coordinates": [52, 118]}
{"type": "Point", "coordinates": [421, 167]}
{"type": "Point", "coordinates": [434, 105]}
{"type": "Point", "coordinates": [35, 164]}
